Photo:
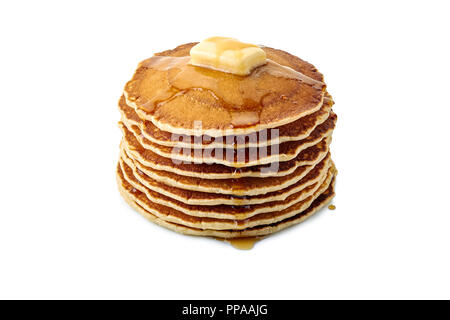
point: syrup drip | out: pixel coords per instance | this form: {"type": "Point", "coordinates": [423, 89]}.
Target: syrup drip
{"type": "Point", "coordinates": [249, 94]}
{"type": "Point", "coordinates": [332, 207]}
{"type": "Point", "coordinates": [243, 243]}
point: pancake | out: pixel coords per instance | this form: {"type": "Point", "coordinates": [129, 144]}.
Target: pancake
{"type": "Point", "coordinates": [173, 95]}
{"type": "Point", "coordinates": [257, 231]}
{"type": "Point", "coordinates": [239, 187]}
{"type": "Point", "coordinates": [233, 220]}
{"type": "Point", "coordinates": [316, 175]}
{"type": "Point", "coordinates": [297, 130]}
{"type": "Point", "coordinates": [219, 211]}
{"type": "Point", "coordinates": [211, 153]}
{"type": "Point", "coordinates": [246, 186]}
{"type": "Point", "coordinates": [197, 199]}
{"type": "Point", "coordinates": [153, 161]}
{"type": "Point", "coordinates": [241, 157]}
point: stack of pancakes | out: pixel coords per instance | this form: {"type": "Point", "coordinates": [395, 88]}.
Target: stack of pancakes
{"type": "Point", "coordinates": [213, 154]}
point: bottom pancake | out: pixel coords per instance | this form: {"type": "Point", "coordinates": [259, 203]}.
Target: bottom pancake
{"type": "Point", "coordinates": [236, 218]}
{"type": "Point", "coordinates": [256, 231]}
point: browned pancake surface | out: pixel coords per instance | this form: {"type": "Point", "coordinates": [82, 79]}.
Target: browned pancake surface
{"type": "Point", "coordinates": [172, 189]}
{"type": "Point", "coordinates": [130, 193]}
{"type": "Point", "coordinates": [218, 171]}
{"type": "Point", "coordinates": [296, 130]}
{"type": "Point", "coordinates": [238, 158]}
{"type": "Point", "coordinates": [233, 217]}
{"type": "Point", "coordinates": [174, 96]}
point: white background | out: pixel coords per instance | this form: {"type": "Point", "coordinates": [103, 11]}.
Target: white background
{"type": "Point", "coordinates": [66, 233]}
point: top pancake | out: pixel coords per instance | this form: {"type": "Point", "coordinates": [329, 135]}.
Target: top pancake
{"type": "Point", "coordinates": [176, 96]}
{"type": "Point", "coordinates": [297, 130]}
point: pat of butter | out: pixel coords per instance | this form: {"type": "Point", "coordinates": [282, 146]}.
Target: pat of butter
{"type": "Point", "coordinates": [227, 55]}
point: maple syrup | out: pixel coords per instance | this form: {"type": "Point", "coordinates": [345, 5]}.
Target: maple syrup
{"type": "Point", "coordinates": [246, 96]}
{"type": "Point", "coordinates": [243, 243]}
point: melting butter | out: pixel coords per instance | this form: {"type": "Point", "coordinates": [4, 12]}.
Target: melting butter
{"type": "Point", "coordinates": [227, 55]}
{"type": "Point", "coordinates": [222, 44]}
{"type": "Point", "coordinates": [244, 118]}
